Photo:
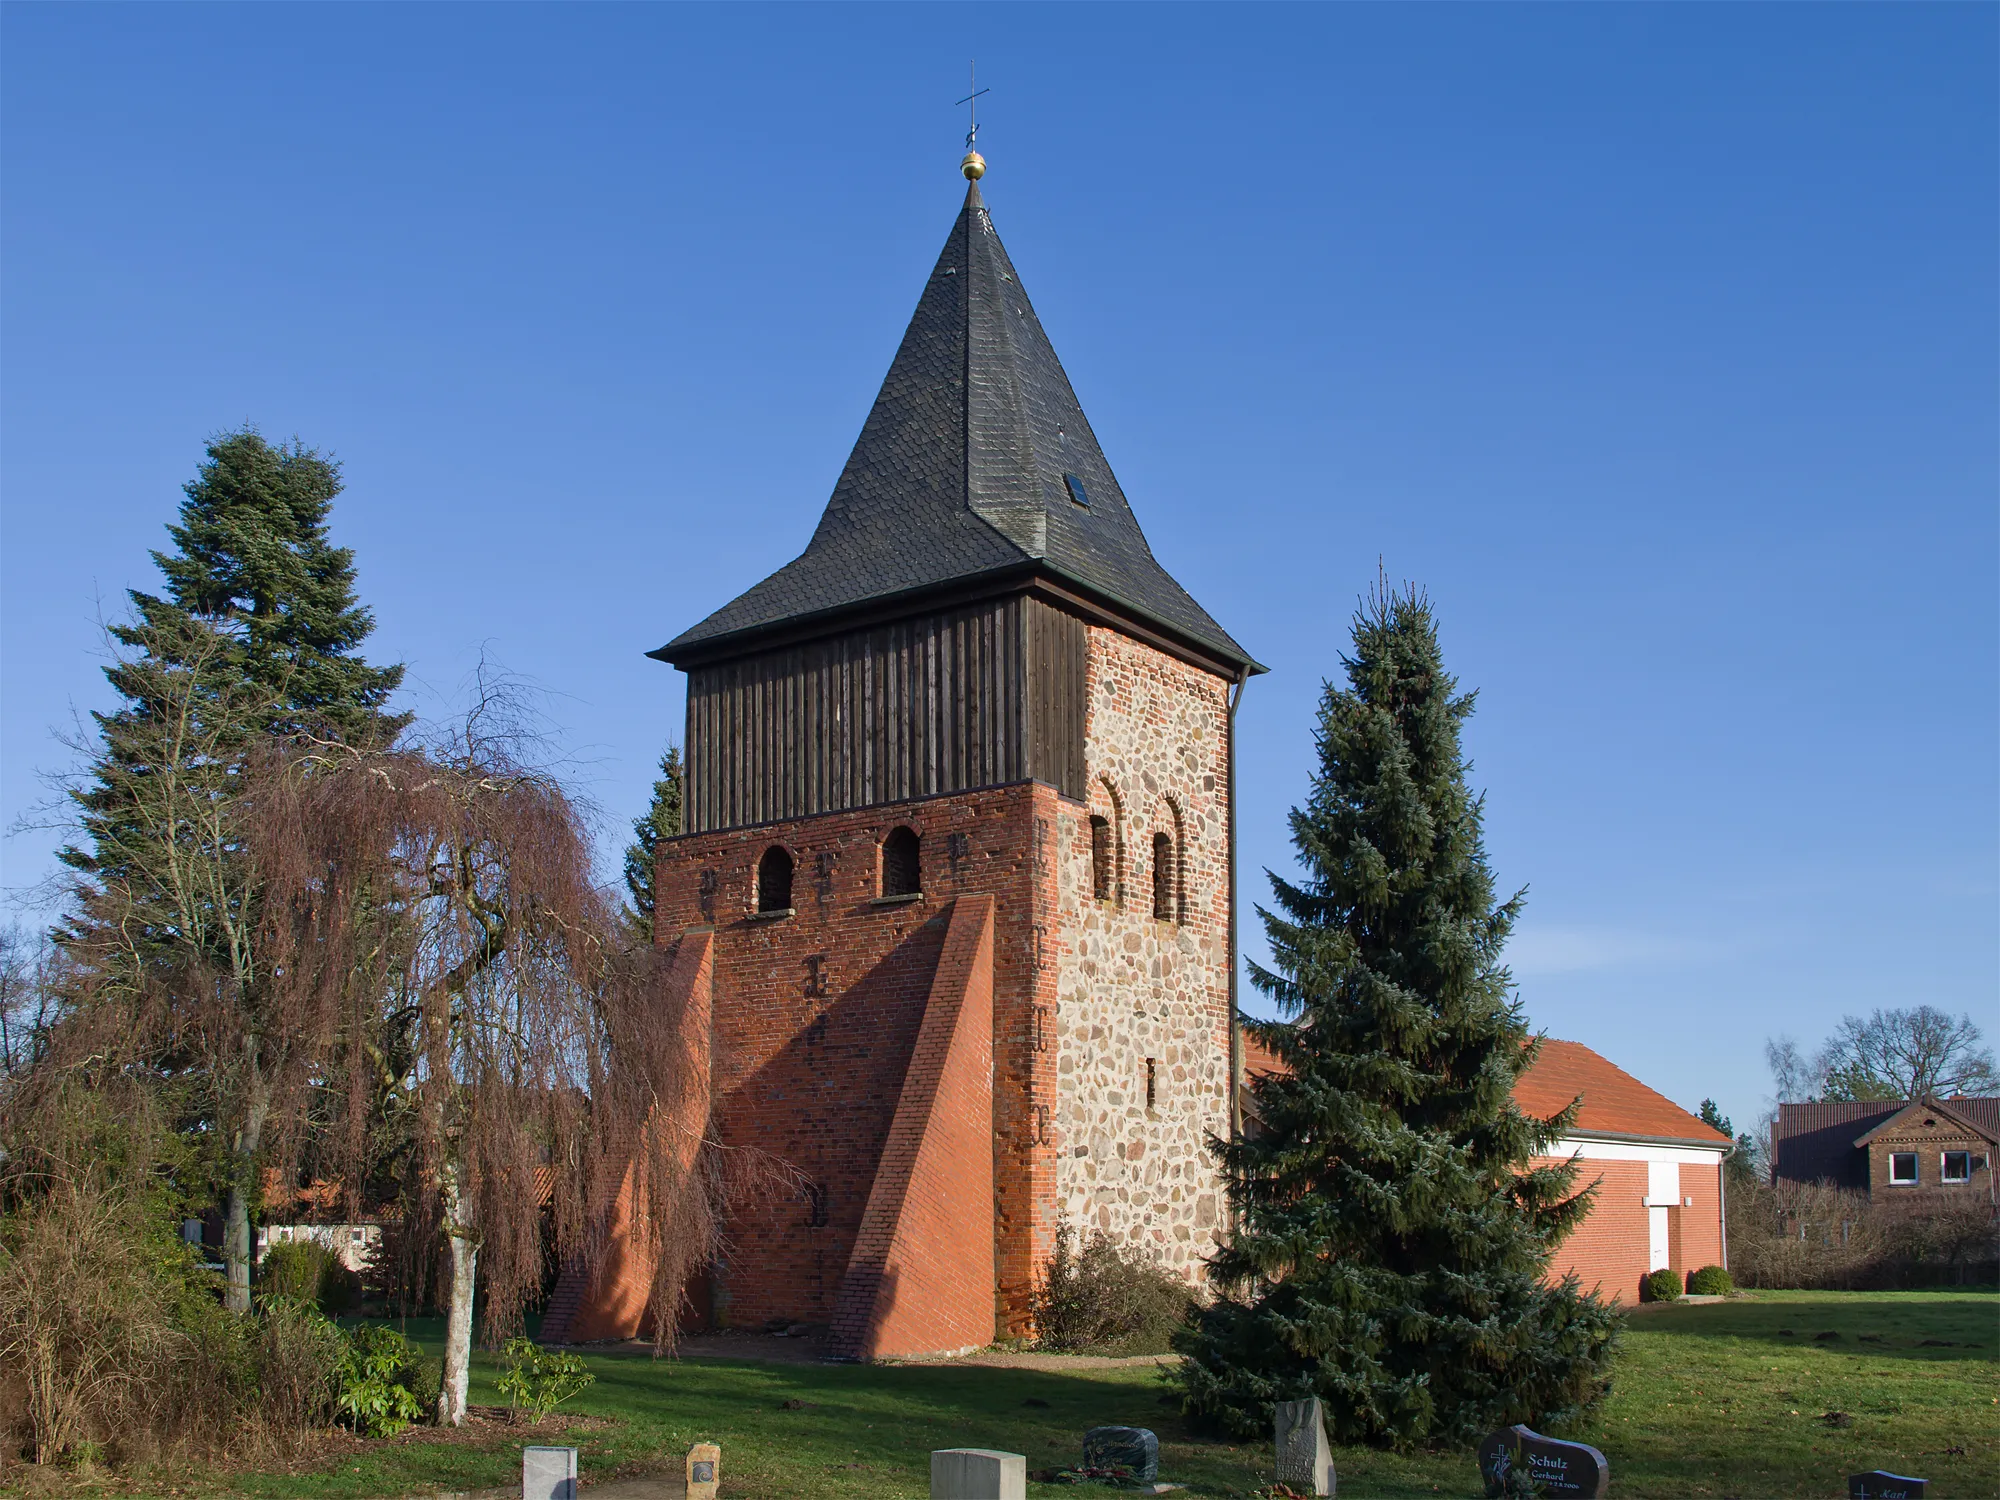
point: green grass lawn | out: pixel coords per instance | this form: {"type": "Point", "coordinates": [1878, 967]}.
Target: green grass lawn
{"type": "Point", "coordinates": [1723, 1400]}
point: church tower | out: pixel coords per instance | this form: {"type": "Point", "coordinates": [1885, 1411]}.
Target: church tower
{"type": "Point", "coordinates": [955, 875]}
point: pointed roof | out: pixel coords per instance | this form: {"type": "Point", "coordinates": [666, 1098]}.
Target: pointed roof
{"type": "Point", "coordinates": [976, 465]}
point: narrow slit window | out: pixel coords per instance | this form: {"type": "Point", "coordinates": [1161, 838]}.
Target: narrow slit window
{"type": "Point", "coordinates": [774, 880]}
{"type": "Point", "coordinates": [1100, 858]}
{"type": "Point", "coordinates": [1903, 1167]}
{"type": "Point", "coordinates": [1957, 1166]}
{"type": "Point", "coordinates": [1163, 878]}
{"type": "Point", "coordinates": [902, 863]}
{"type": "Point", "coordinates": [1152, 1081]}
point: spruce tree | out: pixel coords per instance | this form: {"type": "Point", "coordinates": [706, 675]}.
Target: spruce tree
{"type": "Point", "coordinates": [256, 636]}
{"type": "Point", "coordinates": [662, 820]}
{"type": "Point", "coordinates": [1390, 1233]}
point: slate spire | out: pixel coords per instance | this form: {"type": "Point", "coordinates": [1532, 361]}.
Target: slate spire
{"type": "Point", "coordinates": [975, 464]}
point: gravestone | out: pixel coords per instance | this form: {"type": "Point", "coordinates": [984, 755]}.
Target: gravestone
{"type": "Point", "coordinates": [548, 1474]}
{"type": "Point", "coordinates": [1133, 1448]}
{"type": "Point", "coordinates": [1560, 1468]}
{"type": "Point", "coordinates": [1880, 1484]}
{"type": "Point", "coordinates": [978, 1474]}
{"type": "Point", "coordinates": [1305, 1461]}
{"type": "Point", "coordinates": [704, 1471]}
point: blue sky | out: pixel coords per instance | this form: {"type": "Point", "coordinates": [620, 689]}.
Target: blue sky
{"type": "Point", "coordinates": [1658, 343]}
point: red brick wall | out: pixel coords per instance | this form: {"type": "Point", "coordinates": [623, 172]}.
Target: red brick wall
{"type": "Point", "coordinates": [816, 1016]}
{"type": "Point", "coordinates": [1609, 1249]}
{"type": "Point", "coordinates": [609, 1300]}
{"type": "Point", "coordinates": [1700, 1239]}
{"type": "Point", "coordinates": [921, 1277]}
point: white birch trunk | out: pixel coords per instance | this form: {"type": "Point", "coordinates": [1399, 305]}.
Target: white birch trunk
{"type": "Point", "coordinates": [458, 1319]}
{"type": "Point", "coordinates": [237, 1248]}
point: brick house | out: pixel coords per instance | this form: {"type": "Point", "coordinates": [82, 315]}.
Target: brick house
{"type": "Point", "coordinates": [1921, 1152]}
{"type": "Point", "coordinates": [1657, 1169]}
{"type": "Point", "coordinates": [954, 895]}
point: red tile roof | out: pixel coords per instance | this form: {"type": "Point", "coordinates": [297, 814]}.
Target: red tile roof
{"type": "Point", "coordinates": [1614, 1102]}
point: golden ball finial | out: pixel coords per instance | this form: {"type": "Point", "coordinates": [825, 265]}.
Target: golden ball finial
{"type": "Point", "coordinates": [974, 166]}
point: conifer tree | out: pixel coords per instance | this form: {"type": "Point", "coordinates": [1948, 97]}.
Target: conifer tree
{"type": "Point", "coordinates": [256, 637]}
{"type": "Point", "coordinates": [1391, 1234]}
{"type": "Point", "coordinates": [661, 821]}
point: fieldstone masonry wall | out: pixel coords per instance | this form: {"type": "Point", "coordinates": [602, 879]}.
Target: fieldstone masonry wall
{"type": "Point", "coordinates": [1140, 999]}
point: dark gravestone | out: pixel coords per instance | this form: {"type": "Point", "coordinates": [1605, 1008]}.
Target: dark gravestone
{"type": "Point", "coordinates": [1558, 1468]}
{"type": "Point", "coordinates": [1880, 1484]}
{"type": "Point", "coordinates": [1133, 1448]}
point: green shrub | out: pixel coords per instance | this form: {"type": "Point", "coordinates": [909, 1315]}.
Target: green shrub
{"type": "Point", "coordinates": [1711, 1281]}
{"type": "Point", "coordinates": [536, 1381]}
{"type": "Point", "coordinates": [1105, 1299]}
{"type": "Point", "coordinates": [380, 1372]}
{"type": "Point", "coordinates": [1660, 1286]}
{"type": "Point", "coordinates": [307, 1271]}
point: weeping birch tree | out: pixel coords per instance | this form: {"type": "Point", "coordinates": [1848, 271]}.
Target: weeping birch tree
{"type": "Point", "coordinates": [449, 891]}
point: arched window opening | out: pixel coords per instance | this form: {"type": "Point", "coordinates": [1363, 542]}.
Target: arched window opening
{"type": "Point", "coordinates": [902, 863]}
{"type": "Point", "coordinates": [1100, 858]}
{"type": "Point", "coordinates": [1165, 907]}
{"type": "Point", "coordinates": [774, 880]}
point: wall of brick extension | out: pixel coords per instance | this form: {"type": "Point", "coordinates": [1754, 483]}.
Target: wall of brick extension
{"type": "Point", "coordinates": [1611, 1251]}
{"type": "Point", "coordinates": [1143, 1002]}
{"type": "Point", "coordinates": [920, 1280]}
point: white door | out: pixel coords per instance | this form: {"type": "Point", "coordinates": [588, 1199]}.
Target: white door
{"type": "Point", "coordinates": [1656, 1238]}
{"type": "Point", "coordinates": [1663, 1191]}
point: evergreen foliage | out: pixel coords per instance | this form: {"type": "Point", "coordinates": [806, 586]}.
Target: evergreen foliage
{"type": "Point", "coordinates": [1390, 1236]}
{"type": "Point", "coordinates": [259, 615]}
{"type": "Point", "coordinates": [661, 821]}
{"type": "Point", "coordinates": [254, 640]}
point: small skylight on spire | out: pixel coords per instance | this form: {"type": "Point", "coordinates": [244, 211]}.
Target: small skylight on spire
{"type": "Point", "coordinates": [1076, 489]}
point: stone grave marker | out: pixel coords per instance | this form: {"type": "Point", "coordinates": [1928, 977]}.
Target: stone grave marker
{"type": "Point", "coordinates": [977, 1474]}
{"type": "Point", "coordinates": [1560, 1468]}
{"type": "Point", "coordinates": [1134, 1448]}
{"type": "Point", "coordinates": [1880, 1484]}
{"type": "Point", "coordinates": [704, 1471]}
{"type": "Point", "coordinates": [548, 1474]}
{"type": "Point", "coordinates": [1305, 1459]}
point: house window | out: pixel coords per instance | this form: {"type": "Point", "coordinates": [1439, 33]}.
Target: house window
{"type": "Point", "coordinates": [1957, 1166]}
{"type": "Point", "coordinates": [1100, 858]}
{"type": "Point", "coordinates": [774, 880]}
{"type": "Point", "coordinates": [902, 863]}
{"type": "Point", "coordinates": [1163, 878]}
{"type": "Point", "coordinates": [1903, 1167]}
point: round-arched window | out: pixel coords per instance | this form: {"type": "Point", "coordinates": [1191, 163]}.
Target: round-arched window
{"type": "Point", "coordinates": [902, 863]}
{"type": "Point", "coordinates": [774, 880]}
{"type": "Point", "coordinates": [1165, 907]}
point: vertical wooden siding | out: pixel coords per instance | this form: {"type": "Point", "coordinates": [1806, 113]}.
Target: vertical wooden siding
{"type": "Point", "coordinates": [939, 703]}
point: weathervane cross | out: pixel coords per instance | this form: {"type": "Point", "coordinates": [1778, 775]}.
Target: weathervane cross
{"type": "Point", "coordinates": [972, 106]}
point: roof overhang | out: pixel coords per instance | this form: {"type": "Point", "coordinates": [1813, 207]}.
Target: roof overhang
{"type": "Point", "coordinates": [1716, 1144]}
{"type": "Point", "coordinates": [1033, 577]}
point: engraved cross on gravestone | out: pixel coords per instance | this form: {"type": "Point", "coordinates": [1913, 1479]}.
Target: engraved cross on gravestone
{"type": "Point", "coordinates": [1559, 1468]}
